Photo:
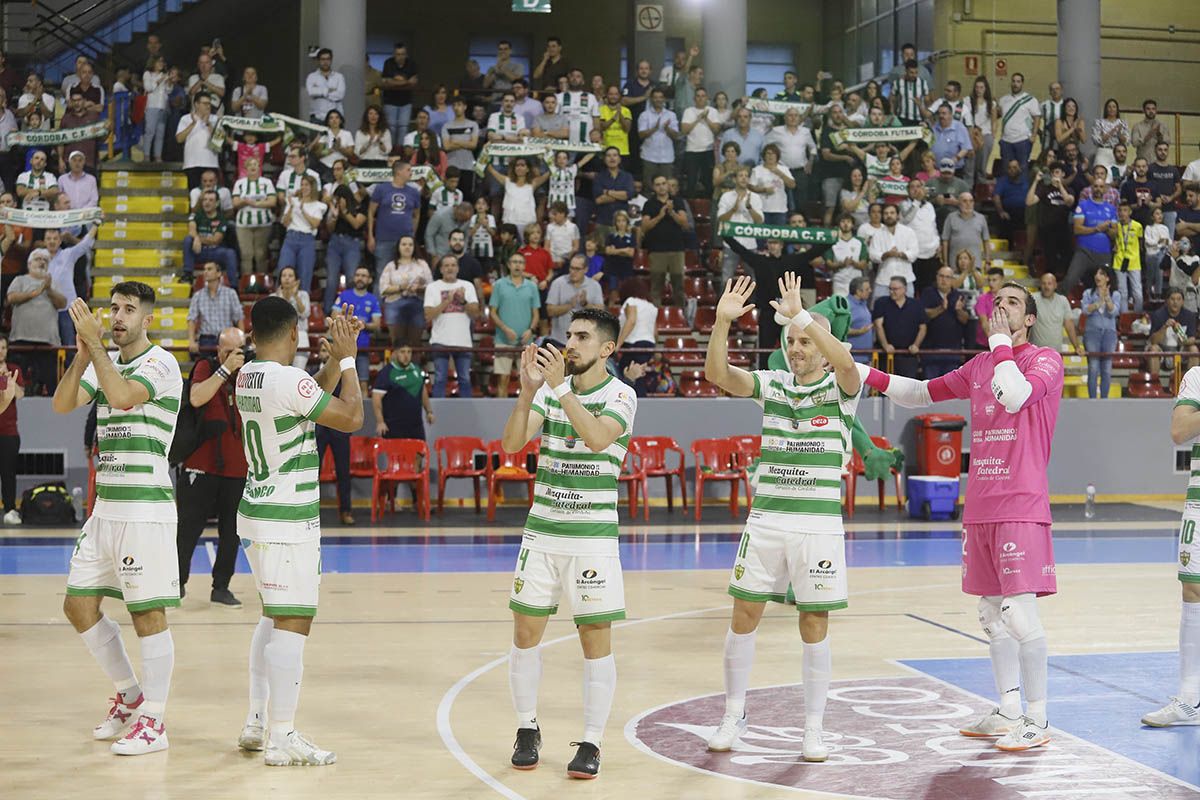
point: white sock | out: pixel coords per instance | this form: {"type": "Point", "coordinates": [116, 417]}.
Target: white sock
{"type": "Point", "coordinates": [739, 658]}
{"type": "Point", "coordinates": [158, 661]}
{"type": "Point", "coordinates": [524, 677]}
{"type": "Point", "coordinates": [1034, 658]}
{"type": "Point", "coordinates": [103, 640]}
{"type": "Point", "coordinates": [1189, 654]}
{"type": "Point", "coordinates": [259, 685]}
{"type": "Point", "coordinates": [1006, 668]}
{"type": "Point", "coordinates": [816, 671]}
{"type": "Point", "coordinates": [285, 668]}
{"type": "Point", "coordinates": [599, 686]}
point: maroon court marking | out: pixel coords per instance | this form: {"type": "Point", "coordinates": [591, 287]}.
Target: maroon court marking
{"type": "Point", "coordinates": [894, 738]}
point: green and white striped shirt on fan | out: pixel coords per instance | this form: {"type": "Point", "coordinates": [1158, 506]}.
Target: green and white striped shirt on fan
{"type": "Point", "coordinates": [805, 444]}
{"type": "Point", "coordinates": [279, 406]}
{"type": "Point", "coordinates": [575, 496]}
{"type": "Point", "coordinates": [257, 189]}
{"type": "Point", "coordinates": [133, 478]}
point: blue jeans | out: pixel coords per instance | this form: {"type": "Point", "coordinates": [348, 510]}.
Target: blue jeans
{"type": "Point", "coordinates": [156, 131]}
{"type": "Point", "coordinates": [937, 366]}
{"type": "Point", "coordinates": [1018, 150]}
{"type": "Point", "coordinates": [385, 251]}
{"type": "Point", "coordinates": [299, 251]}
{"type": "Point", "coordinates": [342, 256]}
{"type": "Point", "coordinates": [225, 256]}
{"type": "Point", "coordinates": [1129, 284]}
{"type": "Point", "coordinates": [1152, 267]}
{"type": "Point", "coordinates": [441, 368]}
{"type": "Point", "coordinates": [397, 121]}
{"type": "Point", "coordinates": [1099, 369]}
{"type": "Point", "coordinates": [66, 329]}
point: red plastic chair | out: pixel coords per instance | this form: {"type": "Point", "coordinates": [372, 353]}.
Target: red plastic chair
{"type": "Point", "coordinates": [701, 289]}
{"type": "Point", "coordinates": [748, 322]}
{"type": "Point", "coordinates": [652, 454]}
{"type": "Point", "coordinates": [362, 456]}
{"type": "Point", "coordinates": [255, 285]}
{"type": "Point", "coordinates": [634, 476]}
{"type": "Point", "coordinates": [404, 461]}
{"type": "Point", "coordinates": [720, 456]}
{"type": "Point", "coordinates": [701, 208]}
{"type": "Point", "coordinates": [850, 478]}
{"type": "Point", "coordinates": [706, 318]}
{"type": "Point", "coordinates": [693, 384]}
{"type": "Point", "coordinates": [498, 459]}
{"type": "Point", "coordinates": [484, 322]}
{"type": "Point", "coordinates": [456, 459]}
{"type": "Point", "coordinates": [683, 351]}
{"type": "Point", "coordinates": [883, 443]}
{"type": "Point", "coordinates": [749, 450]}
{"type": "Point", "coordinates": [328, 471]}
{"type": "Point", "coordinates": [672, 322]}
{"type": "Point", "coordinates": [316, 318]}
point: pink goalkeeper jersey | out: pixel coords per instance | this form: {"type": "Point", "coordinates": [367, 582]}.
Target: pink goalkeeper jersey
{"type": "Point", "coordinates": [1010, 453]}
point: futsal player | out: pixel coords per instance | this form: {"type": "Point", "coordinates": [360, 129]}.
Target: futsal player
{"type": "Point", "coordinates": [569, 546]}
{"type": "Point", "coordinates": [1008, 551]}
{"type": "Point", "coordinates": [127, 547]}
{"type": "Point", "coordinates": [1184, 709]}
{"type": "Point", "coordinates": [279, 514]}
{"type": "Point", "coordinates": [794, 532]}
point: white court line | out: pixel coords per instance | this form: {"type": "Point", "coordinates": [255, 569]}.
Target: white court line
{"type": "Point", "coordinates": [212, 554]}
{"type": "Point", "coordinates": [446, 730]}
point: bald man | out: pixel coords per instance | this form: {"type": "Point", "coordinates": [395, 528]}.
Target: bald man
{"type": "Point", "coordinates": [214, 473]}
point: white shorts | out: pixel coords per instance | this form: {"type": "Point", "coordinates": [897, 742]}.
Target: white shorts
{"type": "Point", "coordinates": [769, 559]}
{"type": "Point", "coordinates": [132, 561]}
{"type": "Point", "coordinates": [288, 576]}
{"type": "Point", "coordinates": [593, 584]}
{"type": "Point", "coordinates": [1189, 544]}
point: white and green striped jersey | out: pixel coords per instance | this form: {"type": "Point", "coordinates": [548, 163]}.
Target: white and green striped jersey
{"type": "Point", "coordinates": [444, 198]}
{"type": "Point", "coordinates": [279, 407]}
{"type": "Point", "coordinates": [582, 109]}
{"type": "Point", "coordinates": [133, 478]}
{"type": "Point", "coordinates": [505, 125]}
{"type": "Point", "coordinates": [257, 189]}
{"type": "Point", "coordinates": [1189, 395]}
{"type": "Point", "coordinates": [562, 186]}
{"type": "Point", "coordinates": [805, 444]}
{"type": "Point", "coordinates": [575, 496]}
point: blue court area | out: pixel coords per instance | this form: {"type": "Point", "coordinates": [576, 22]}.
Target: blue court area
{"type": "Point", "coordinates": [1100, 699]}
{"type": "Point", "coordinates": [652, 551]}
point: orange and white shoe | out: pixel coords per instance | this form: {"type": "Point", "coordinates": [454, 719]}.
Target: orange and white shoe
{"type": "Point", "coordinates": [121, 717]}
{"type": "Point", "coordinates": [146, 736]}
{"type": "Point", "coordinates": [991, 726]}
{"type": "Point", "coordinates": [1025, 736]}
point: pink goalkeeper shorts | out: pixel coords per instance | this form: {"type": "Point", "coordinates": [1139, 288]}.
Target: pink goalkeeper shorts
{"type": "Point", "coordinates": [1007, 558]}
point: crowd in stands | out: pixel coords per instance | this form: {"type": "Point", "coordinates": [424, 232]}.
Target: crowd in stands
{"type": "Point", "coordinates": [456, 256]}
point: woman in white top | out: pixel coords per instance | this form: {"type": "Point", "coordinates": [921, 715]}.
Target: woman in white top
{"type": "Point", "coordinates": [338, 178]}
{"type": "Point", "coordinates": [401, 289]}
{"type": "Point", "coordinates": [639, 322]}
{"type": "Point", "coordinates": [519, 208]}
{"type": "Point", "coordinates": [1157, 239]}
{"type": "Point", "coordinates": [372, 140]}
{"type": "Point", "coordinates": [856, 198]}
{"type": "Point", "coordinates": [289, 289]}
{"type": "Point", "coordinates": [249, 99]}
{"type": "Point", "coordinates": [338, 143]}
{"type": "Point", "coordinates": [1107, 132]}
{"type": "Point", "coordinates": [155, 82]}
{"type": "Point", "coordinates": [302, 218]}
{"type": "Point", "coordinates": [773, 181]}
{"type": "Point", "coordinates": [723, 112]}
{"type": "Point", "coordinates": [985, 115]}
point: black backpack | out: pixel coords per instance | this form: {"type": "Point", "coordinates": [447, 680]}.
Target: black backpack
{"type": "Point", "coordinates": [47, 504]}
{"type": "Point", "coordinates": [191, 428]}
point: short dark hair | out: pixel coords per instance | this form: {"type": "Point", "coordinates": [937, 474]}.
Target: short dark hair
{"type": "Point", "coordinates": [521, 82]}
{"type": "Point", "coordinates": [856, 284]}
{"type": "Point", "coordinates": [508, 93]}
{"type": "Point", "coordinates": [550, 39]}
{"type": "Point", "coordinates": [271, 318]}
{"type": "Point", "coordinates": [452, 172]}
{"type": "Point", "coordinates": [908, 46]}
{"type": "Point", "coordinates": [560, 207]}
{"type": "Point", "coordinates": [900, 279]}
{"type": "Point", "coordinates": [1030, 304]}
{"type": "Point", "coordinates": [657, 90]}
{"type": "Point", "coordinates": [1149, 101]}
{"type": "Point", "coordinates": [1058, 165]}
{"type": "Point", "coordinates": [911, 64]}
{"type": "Point", "coordinates": [324, 51]}
{"type": "Point", "coordinates": [504, 41]}
{"type": "Point", "coordinates": [607, 325]}
{"type": "Point", "coordinates": [1020, 75]}
{"type": "Point", "coordinates": [957, 86]}
{"type": "Point", "coordinates": [1173, 290]}
{"type": "Point", "coordinates": [606, 151]}
{"type": "Point", "coordinates": [995, 271]}
{"type": "Point", "coordinates": [144, 293]}
{"type": "Point", "coordinates": [399, 46]}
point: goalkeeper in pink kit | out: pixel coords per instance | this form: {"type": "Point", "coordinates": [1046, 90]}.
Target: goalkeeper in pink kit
{"type": "Point", "coordinates": [1008, 553]}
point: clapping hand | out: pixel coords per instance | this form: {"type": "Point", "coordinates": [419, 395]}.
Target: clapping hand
{"type": "Point", "coordinates": [552, 365]}
{"type": "Point", "coordinates": [87, 324]}
{"type": "Point", "coordinates": [736, 300]}
{"type": "Point", "coordinates": [531, 374]}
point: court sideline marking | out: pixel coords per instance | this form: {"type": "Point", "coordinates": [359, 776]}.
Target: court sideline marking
{"type": "Point", "coordinates": [446, 730]}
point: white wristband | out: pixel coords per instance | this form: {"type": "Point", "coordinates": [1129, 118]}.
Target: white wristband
{"type": "Point", "coordinates": [801, 320]}
{"type": "Point", "coordinates": [561, 390]}
{"type": "Point", "coordinates": [346, 363]}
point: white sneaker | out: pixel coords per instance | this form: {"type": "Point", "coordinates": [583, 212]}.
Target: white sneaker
{"type": "Point", "coordinates": [12, 517]}
{"type": "Point", "coordinates": [727, 733]}
{"type": "Point", "coordinates": [144, 737]}
{"type": "Point", "coordinates": [121, 717]}
{"type": "Point", "coordinates": [991, 725]}
{"type": "Point", "coordinates": [296, 751]}
{"type": "Point", "coordinates": [1177, 712]}
{"type": "Point", "coordinates": [253, 737]}
{"type": "Point", "coordinates": [1025, 736]}
{"type": "Point", "coordinates": [814, 750]}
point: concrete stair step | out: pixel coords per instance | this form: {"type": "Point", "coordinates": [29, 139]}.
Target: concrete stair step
{"type": "Point", "coordinates": [122, 233]}
{"type": "Point", "coordinates": [134, 204]}
{"type": "Point", "coordinates": [125, 179]}
{"type": "Point", "coordinates": [138, 258]}
{"type": "Point", "coordinates": [142, 166]}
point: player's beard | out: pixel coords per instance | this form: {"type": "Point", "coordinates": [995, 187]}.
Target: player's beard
{"type": "Point", "coordinates": [577, 368]}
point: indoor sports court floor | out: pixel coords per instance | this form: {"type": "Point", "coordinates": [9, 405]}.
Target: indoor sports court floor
{"type": "Point", "coordinates": [406, 678]}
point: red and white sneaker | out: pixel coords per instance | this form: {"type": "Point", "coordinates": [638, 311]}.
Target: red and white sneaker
{"type": "Point", "coordinates": [145, 737]}
{"type": "Point", "coordinates": [121, 717]}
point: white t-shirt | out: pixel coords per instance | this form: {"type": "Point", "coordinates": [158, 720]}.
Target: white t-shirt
{"type": "Point", "coordinates": [983, 120]}
{"type": "Point", "coordinates": [520, 209]}
{"type": "Point", "coordinates": [560, 238]}
{"type": "Point", "coordinates": [313, 208]}
{"type": "Point", "coordinates": [224, 198]}
{"type": "Point", "coordinates": [214, 79]}
{"type": "Point", "coordinates": [1019, 126]}
{"type": "Point", "coordinates": [155, 84]}
{"type": "Point", "coordinates": [452, 328]}
{"type": "Point", "coordinates": [1157, 237]}
{"type": "Point", "coordinates": [582, 109]}
{"type": "Point", "coordinates": [645, 327]}
{"type": "Point", "coordinates": [258, 189]}
{"type": "Point", "coordinates": [841, 250]}
{"type": "Point", "coordinates": [1192, 171]}
{"type": "Point", "coordinates": [196, 152]}
{"type": "Point", "coordinates": [289, 182]}
{"type": "Point", "coordinates": [701, 137]}
{"type": "Point", "coordinates": [866, 231]}
{"type": "Point", "coordinates": [344, 139]}
{"type": "Point", "coordinates": [753, 201]}
{"type": "Point", "coordinates": [776, 201]}
{"type": "Point", "coordinates": [795, 149]}
{"type": "Point", "coordinates": [47, 102]}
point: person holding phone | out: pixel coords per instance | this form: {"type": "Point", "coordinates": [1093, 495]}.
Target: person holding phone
{"type": "Point", "coordinates": [12, 387]}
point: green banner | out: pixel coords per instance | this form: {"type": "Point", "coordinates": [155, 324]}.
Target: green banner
{"type": "Point", "coordinates": [531, 6]}
{"type": "Point", "coordinates": [781, 107]}
{"type": "Point", "coordinates": [57, 137]}
{"type": "Point", "coordinates": [892, 186]}
{"type": "Point", "coordinates": [873, 135]}
{"type": "Point", "coordinates": [367, 175]}
{"type": "Point", "coordinates": [265, 124]}
{"type": "Point", "coordinates": [49, 219]}
{"type": "Point", "coordinates": [783, 233]}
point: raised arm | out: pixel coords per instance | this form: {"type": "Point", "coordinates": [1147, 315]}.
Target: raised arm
{"type": "Point", "coordinates": [790, 307]}
{"type": "Point", "coordinates": [525, 421]}
{"type": "Point", "coordinates": [1185, 422]}
{"type": "Point", "coordinates": [70, 395]}
{"type": "Point", "coordinates": [120, 391]}
{"type": "Point", "coordinates": [735, 302]}
{"type": "Point", "coordinates": [1011, 387]}
{"type": "Point", "coordinates": [343, 413]}
{"type": "Point", "coordinates": [597, 432]}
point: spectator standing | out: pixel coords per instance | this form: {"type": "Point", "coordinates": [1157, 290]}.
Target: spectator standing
{"type": "Point", "coordinates": [326, 88]}
{"type": "Point", "coordinates": [10, 434]}
{"type": "Point", "coordinates": [35, 304]}
{"type": "Point", "coordinates": [213, 308]}
{"type": "Point", "coordinates": [1069, 128]}
{"type": "Point", "coordinates": [208, 183]}
{"type": "Point", "coordinates": [946, 320]}
{"type": "Point", "coordinates": [520, 207]}
{"type": "Point", "coordinates": [833, 169]}
{"type": "Point", "coordinates": [1187, 218]}
{"type": "Point", "coordinates": [1166, 183]}
{"type": "Point", "coordinates": [460, 137]}
{"type": "Point", "coordinates": [612, 189]}
{"type": "Point", "coordinates": [562, 236]}
{"type": "Point", "coordinates": [36, 100]}
{"type": "Point", "coordinates": [337, 144]}
{"type": "Point", "coordinates": [251, 97]}
{"type": "Point", "coordinates": [639, 324]}
{"type": "Point", "coordinates": [774, 183]}
{"type": "Point", "coordinates": [1184, 274]}
{"type": "Point", "coordinates": [700, 125]}
{"type": "Point", "coordinates": [552, 66]}
{"type": "Point", "coordinates": [570, 293]}
{"type": "Point", "coordinates": [1102, 308]}
{"type": "Point", "coordinates": [400, 398]}
{"type": "Point", "coordinates": [1107, 132]}
{"type": "Point", "coordinates": [206, 81]}
{"type": "Point", "coordinates": [302, 219]}
{"type": "Point", "coordinates": [366, 306]}
{"type": "Point", "coordinates": [1009, 195]}
{"type": "Point", "coordinates": [526, 107]}
{"type": "Point", "coordinates": [798, 153]}
{"type": "Point", "coordinates": [910, 95]}
{"type": "Point", "coordinates": [394, 211]}
{"type": "Point", "coordinates": [254, 202]}
{"type": "Point", "coordinates": [900, 327]}
{"type": "Point", "coordinates": [861, 333]}
{"type": "Point", "coordinates": [88, 83]}
{"type": "Point", "coordinates": [213, 477]}
{"type": "Point", "coordinates": [450, 305]}
{"type": "Point", "coordinates": [951, 140]}
{"type": "Point", "coordinates": [402, 292]}
{"type": "Point", "coordinates": [439, 110]}
{"type": "Point", "coordinates": [740, 204]}
{"type": "Point", "coordinates": [984, 305]}
{"type": "Point", "coordinates": [1094, 225]}
{"type": "Point", "coordinates": [373, 140]}
{"type": "Point", "coordinates": [658, 128]}
{"type": "Point", "coordinates": [846, 258]}
{"type": "Point", "coordinates": [538, 265]}
{"type": "Point", "coordinates": [79, 114]}
{"type": "Point", "coordinates": [289, 289]}
{"type": "Point", "coordinates": [894, 248]}
{"type": "Point", "coordinates": [207, 230]}
{"type": "Point", "coordinates": [1127, 257]}
{"type": "Point", "coordinates": [1051, 113]}
{"type": "Point", "coordinates": [966, 230]}
{"type": "Point", "coordinates": [515, 304]}
{"type": "Point", "coordinates": [62, 269]}
{"type": "Point", "coordinates": [747, 138]}
{"type": "Point", "coordinates": [79, 186]}
{"type": "Point", "coordinates": [562, 181]}
{"type": "Point", "coordinates": [338, 444]}
{"type": "Point", "coordinates": [620, 247]}
{"type": "Point", "coordinates": [1053, 317]}
{"type": "Point", "coordinates": [580, 107]}
{"type": "Point", "coordinates": [343, 252]}
{"type": "Point", "coordinates": [917, 213]}
{"type": "Point", "coordinates": [615, 121]}
{"type": "Point", "coordinates": [984, 116]}
{"type": "Point", "coordinates": [195, 132]}
{"type": "Point", "coordinates": [442, 225]}
{"type": "Point", "coordinates": [504, 126]}
{"type": "Point", "coordinates": [1018, 118]}
{"type": "Point", "coordinates": [156, 85]}
{"type": "Point", "coordinates": [400, 77]}
{"type": "Point", "coordinates": [1054, 203]}
{"type": "Point", "coordinates": [1157, 239]}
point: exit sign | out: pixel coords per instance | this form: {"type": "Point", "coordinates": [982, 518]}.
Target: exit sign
{"type": "Point", "coordinates": [531, 6]}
